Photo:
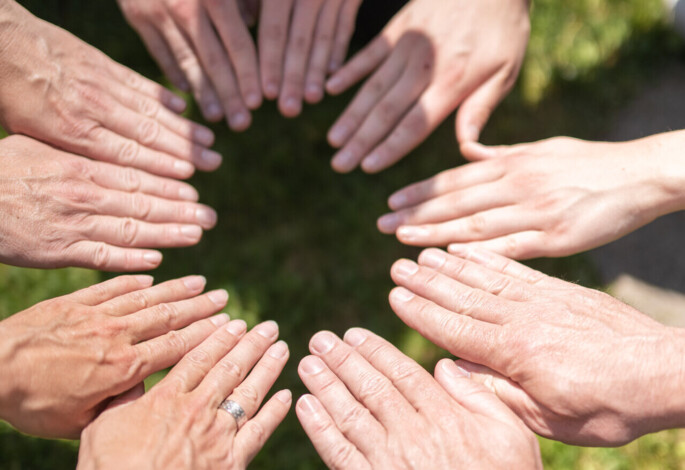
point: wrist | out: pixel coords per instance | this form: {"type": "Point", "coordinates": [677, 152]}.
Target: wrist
{"type": "Point", "coordinates": [8, 373]}
{"type": "Point", "coordinates": [666, 173]}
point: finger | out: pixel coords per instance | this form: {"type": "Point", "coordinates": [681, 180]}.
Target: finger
{"type": "Point", "coordinates": [127, 397]}
{"type": "Point", "coordinates": [321, 51]}
{"type": "Point", "coordinates": [231, 370]}
{"type": "Point", "coordinates": [131, 233]}
{"type": "Point", "coordinates": [389, 111]}
{"type": "Point", "coordinates": [163, 318]}
{"type": "Point", "coordinates": [152, 108]}
{"type": "Point", "coordinates": [250, 394]}
{"type": "Point", "coordinates": [368, 96]}
{"type": "Point", "coordinates": [200, 83]}
{"type": "Point", "coordinates": [470, 393]}
{"type": "Point", "coordinates": [486, 225]}
{"type": "Point", "coordinates": [273, 36]}
{"type": "Point", "coordinates": [476, 276]}
{"type": "Point", "coordinates": [413, 129]}
{"type": "Point", "coordinates": [297, 56]}
{"type": "Point", "coordinates": [105, 257]}
{"type": "Point", "coordinates": [331, 445]}
{"type": "Point", "coordinates": [451, 206]}
{"type": "Point", "coordinates": [371, 388]}
{"type": "Point", "coordinates": [193, 368]}
{"type": "Point", "coordinates": [254, 434]}
{"type": "Point", "coordinates": [241, 49]}
{"type": "Point", "coordinates": [170, 291]}
{"type": "Point", "coordinates": [477, 108]}
{"type": "Point", "coordinates": [461, 335]}
{"type": "Point", "coordinates": [449, 181]}
{"type": "Point", "coordinates": [158, 48]}
{"type": "Point", "coordinates": [412, 380]}
{"type": "Point", "coordinates": [111, 289]}
{"type": "Point", "coordinates": [136, 181]}
{"type": "Point", "coordinates": [449, 293]}
{"type": "Point", "coordinates": [108, 146]}
{"type": "Point", "coordinates": [353, 420]}
{"type": "Point", "coordinates": [524, 245]}
{"type": "Point", "coordinates": [343, 34]}
{"type": "Point", "coordinates": [167, 350]}
{"type": "Point", "coordinates": [504, 265]}
{"type": "Point", "coordinates": [153, 209]}
{"type": "Point", "coordinates": [361, 65]}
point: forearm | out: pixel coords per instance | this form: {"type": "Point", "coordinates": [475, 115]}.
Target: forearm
{"type": "Point", "coordinates": [8, 394]}
{"type": "Point", "coordinates": [665, 173]}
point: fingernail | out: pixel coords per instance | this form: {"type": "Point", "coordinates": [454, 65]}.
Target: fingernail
{"type": "Point", "coordinates": [278, 350]}
{"type": "Point", "coordinates": [211, 158]}
{"type": "Point", "coordinates": [188, 193]}
{"type": "Point", "coordinates": [219, 297]}
{"type": "Point", "coordinates": [406, 268]}
{"type": "Point", "coordinates": [191, 231]}
{"type": "Point", "coordinates": [334, 84]}
{"type": "Point", "coordinates": [144, 279]}
{"type": "Point", "coordinates": [206, 217]}
{"type": "Point", "coordinates": [333, 66]}
{"type": "Point", "coordinates": [355, 337]}
{"type": "Point", "coordinates": [389, 222]}
{"type": "Point", "coordinates": [204, 136]}
{"type": "Point", "coordinates": [314, 91]}
{"type": "Point", "coordinates": [271, 90]}
{"type": "Point", "coordinates": [453, 370]}
{"type": "Point", "coordinates": [284, 396]}
{"type": "Point", "coordinates": [397, 201]}
{"type": "Point", "coordinates": [338, 134]}
{"type": "Point", "coordinates": [267, 329]}
{"type": "Point", "coordinates": [219, 320]}
{"type": "Point", "coordinates": [403, 295]}
{"type": "Point", "coordinates": [194, 282]}
{"type": "Point", "coordinates": [372, 163]}
{"type": "Point", "coordinates": [433, 258]}
{"type": "Point", "coordinates": [345, 160]}
{"type": "Point", "coordinates": [183, 167]}
{"type": "Point", "coordinates": [293, 105]}
{"type": "Point", "coordinates": [238, 120]}
{"type": "Point", "coordinates": [237, 327]}
{"type": "Point", "coordinates": [253, 100]}
{"type": "Point", "coordinates": [413, 233]}
{"type": "Point", "coordinates": [323, 342]}
{"type": "Point", "coordinates": [457, 249]}
{"type": "Point", "coordinates": [153, 257]}
{"type": "Point", "coordinates": [472, 133]}
{"type": "Point", "coordinates": [311, 365]}
{"type": "Point", "coordinates": [177, 103]}
{"type": "Point", "coordinates": [213, 111]}
{"type": "Point", "coordinates": [307, 404]}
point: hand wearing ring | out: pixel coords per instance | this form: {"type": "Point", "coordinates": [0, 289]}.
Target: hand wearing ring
{"type": "Point", "coordinates": [185, 411]}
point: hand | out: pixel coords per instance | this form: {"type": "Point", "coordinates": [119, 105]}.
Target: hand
{"type": "Point", "coordinates": [373, 407]}
{"type": "Point", "coordinates": [62, 210]}
{"type": "Point", "coordinates": [317, 34]}
{"type": "Point", "coordinates": [178, 424]}
{"type": "Point", "coordinates": [575, 364]}
{"type": "Point", "coordinates": [203, 46]}
{"type": "Point", "coordinates": [552, 198]}
{"type": "Point", "coordinates": [65, 359]}
{"type": "Point", "coordinates": [432, 57]}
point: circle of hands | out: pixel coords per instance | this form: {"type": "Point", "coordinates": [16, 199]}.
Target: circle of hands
{"type": "Point", "coordinates": [95, 182]}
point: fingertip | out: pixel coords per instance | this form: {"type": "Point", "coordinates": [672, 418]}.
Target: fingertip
{"type": "Point", "coordinates": [398, 201]}
{"type": "Point", "coordinates": [344, 161]}
{"type": "Point", "coordinates": [188, 193]}
{"type": "Point", "coordinates": [213, 112]}
{"type": "Point", "coordinates": [290, 107]}
{"type": "Point", "coordinates": [144, 280]}
{"type": "Point", "coordinates": [285, 397]}
{"type": "Point", "coordinates": [313, 94]}
{"type": "Point", "coordinates": [373, 164]}
{"type": "Point", "coordinates": [401, 295]}
{"type": "Point", "coordinates": [204, 136]}
{"type": "Point", "coordinates": [152, 259]}
{"type": "Point", "coordinates": [253, 100]}
{"type": "Point", "coordinates": [308, 405]}
{"type": "Point", "coordinates": [335, 85]}
{"type": "Point", "coordinates": [449, 370]}
{"type": "Point", "coordinates": [388, 223]}
{"type": "Point", "coordinates": [240, 121]}
{"type": "Point", "coordinates": [176, 103]}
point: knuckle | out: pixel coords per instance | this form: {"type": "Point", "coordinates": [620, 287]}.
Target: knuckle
{"type": "Point", "coordinates": [148, 107]}
{"type": "Point", "coordinates": [139, 300]}
{"type": "Point", "coordinates": [129, 232]}
{"type": "Point", "coordinates": [476, 224]}
{"type": "Point", "coordinates": [148, 132]}
{"type": "Point", "coordinates": [201, 359]}
{"type": "Point", "coordinates": [231, 369]}
{"type": "Point", "coordinates": [351, 418]}
{"type": "Point", "coordinates": [128, 152]}
{"type": "Point", "coordinates": [256, 431]}
{"type": "Point", "coordinates": [177, 341]}
{"type": "Point", "coordinates": [341, 456]}
{"type": "Point", "coordinates": [467, 302]}
{"type": "Point", "coordinates": [249, 396]}
{"type": "Point", "coordinates": [142, 206]}
{"type": "Point", "coordinates": [167, 315]}
{"type": "Point", "coordinates": [130, 178]}
{"type": "Point", "coordinates": [374, 388]}
{"type": "Point", "coordinates": [102, 256]}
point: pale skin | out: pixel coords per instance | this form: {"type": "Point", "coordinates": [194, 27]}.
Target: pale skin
{"type": "Point", "coordinates": [550, 198]}
{"type": "Point", "coordinates": [372, 407]}
{"type": "Point", "coordinates": [178, 424]}
{"type": "Point", "coordinates": [430, 59]}
{"type": "Point", "coordinates": [575, 364]}
{"type": "Point", "coordinates": [301, 42]}
{"type": "Point", "coordinates": [60, 90]}
{"type": "Point", "coordinates": [204, 46]}
{"type": "Point", "coordinates": [63, 210]}
{"type": "Point", "coordinates": [65, 359]}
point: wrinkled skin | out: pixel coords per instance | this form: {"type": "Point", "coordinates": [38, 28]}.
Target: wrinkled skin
{"type": "Point", "coordinates": [549, 198]}
{"type": "Point", "coordinates": [65, 359]}
{"type": "Point", "coordinates": [433, 57]}
{"type": "Point", "coordinates": [178, 424]}
{"type": "Point", "coordinates": [62, 210]}
{"type": "Point", "coordinates": [60, 90]}
{"type": "Point", "coordinates": [575, 364]}
{"type": "Point", "coordinates": [373, 407]}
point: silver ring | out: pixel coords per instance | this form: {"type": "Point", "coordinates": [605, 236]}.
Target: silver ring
{"type": "Point", "coordinates": [235, 410]}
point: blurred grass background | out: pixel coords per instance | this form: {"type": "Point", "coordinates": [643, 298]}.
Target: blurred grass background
{"type": "Point", "coordinates": [297, 243]}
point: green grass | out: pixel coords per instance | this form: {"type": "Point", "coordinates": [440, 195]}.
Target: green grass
{"type": "Point", "coordinates": [297, 243]}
